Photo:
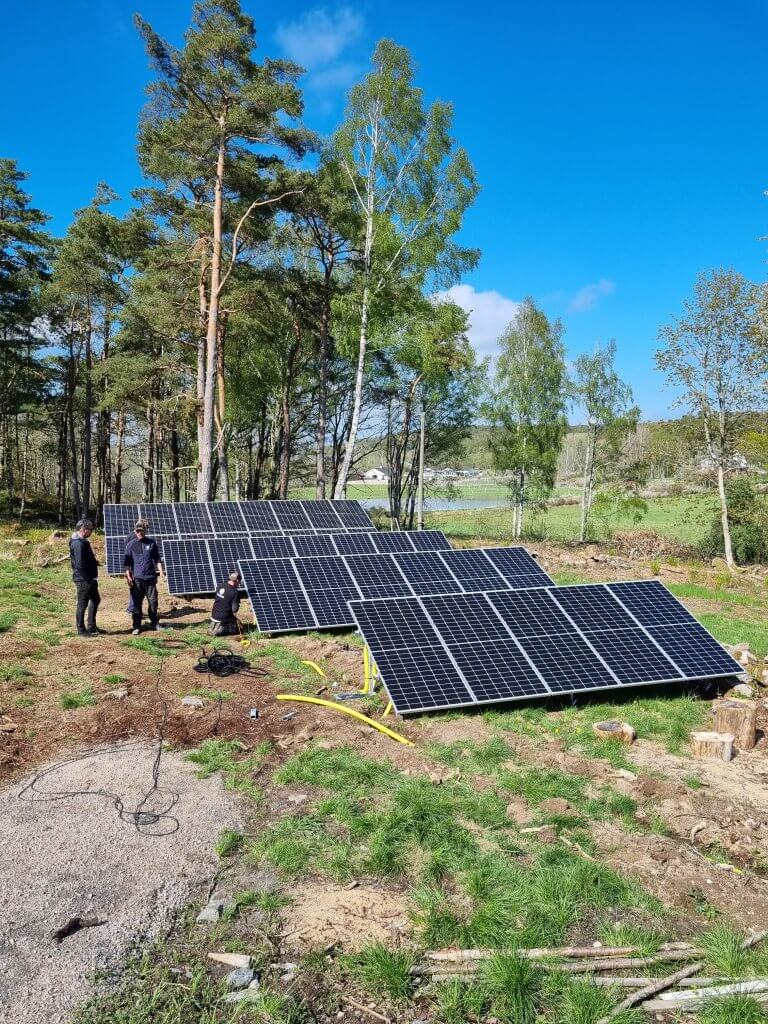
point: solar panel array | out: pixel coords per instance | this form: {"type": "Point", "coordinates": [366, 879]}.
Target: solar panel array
{"type": "Point", "coordinates": [460, 650]}
{"type": "Point", "coordinates": [199, 565]}
{"type": "Point", "coordinates": [226, 520]}
{"type": "Point", "coordinates": [312, 591]}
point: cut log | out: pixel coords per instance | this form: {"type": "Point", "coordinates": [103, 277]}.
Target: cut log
{"type": "Point", "coordinates": [712, 744]}
{"type": "Point", "coordinates": [739, 718]}
{"type": "Point", "coordinates": [692, 999]}
{"type": "Point", "coordinates": [615, 730]}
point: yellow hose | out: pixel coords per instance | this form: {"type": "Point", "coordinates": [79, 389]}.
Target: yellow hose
{"type": "Point", "coordinates": [346, 711]}
{"type": "Point", "coordinates": [316, 667]}
{"type": "Point", "coordinates": [366, 670]}
{"type": "Point", "coordinates": [387, 710]}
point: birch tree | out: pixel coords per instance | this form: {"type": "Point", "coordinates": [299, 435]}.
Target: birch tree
{"type": "Point", "coordinates": [528, 407]}
{"type": "Point", "coordinates": [610, 414]}
{"type": "Point", "coordinates": [217, 116]}
{"type": "Point", "coordinates": [715, 356]}
{"type": "Point", "coordinates": [411, 184]}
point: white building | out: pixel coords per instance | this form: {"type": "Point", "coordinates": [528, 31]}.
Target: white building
{"type": "Point", "coordinates": [375, 476]}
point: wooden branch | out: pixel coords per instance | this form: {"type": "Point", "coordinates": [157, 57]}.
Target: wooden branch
{"type": "Point", "coordinates": [694, 998]}
{"type": "Point", "coordinates": [660, 985]}
{"type": "Point", "coordinates": [367, 1009]}
{"type": "Point", "coordinates": [243, 219]}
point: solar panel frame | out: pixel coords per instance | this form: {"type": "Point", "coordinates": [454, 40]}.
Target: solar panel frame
{"type": "Point", "coordinates": [278, 598]}
{"type": "Point", "coordinates": [188, 568]}
{"type": "Point", "coordinates": [322, 515]}
{"type": "Point", "coordinates": [227, 518]}
{"type": "Point", "coordinates": [161, 518]}
{"type": "Point", "coordinates": [225, 554]}
{"type": "Point", "coordinates": [119, 520]}
{"type": "Point", "coordinates": [115, 554]}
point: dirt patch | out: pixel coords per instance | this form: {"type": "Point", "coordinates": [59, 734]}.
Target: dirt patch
{"type": "Point", "coordinates": [66, 858]}
{"type": "Point", "coordinates": [324, 914]}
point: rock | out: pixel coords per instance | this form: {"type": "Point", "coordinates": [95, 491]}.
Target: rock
{"type": "Point", "coordinates": [231, 959]}
{"type": "Point", "coordinates": [519, 812]}
{"type": "Point", "coordinates": [625, 773]}
{"type": "Point", "coordinates": [191, 701]}
{"type": "Point", "coordinates": [8, 726]}
{"type": "Point", "coordinates": [741, 690]}
{"type": "Point", "coordinates": [244, 995]}
{"type": "Point", "coordinates": [721, 565]}
{"type": "Point", "coordinates": [555, 805]}
{"type": "Point", "coordinates": [214, 909]}
{"type": "Point", "coordinates": [119, 694]}
{"type": "Point", "coordinates": [297, 798]}
{"type": "Point", "coordinates": [625, 787]}
{"type": "Point", "coordinates": [241, 977]}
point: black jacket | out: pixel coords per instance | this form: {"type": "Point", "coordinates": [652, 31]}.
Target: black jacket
{"type": "Point", "coordinates": [227, 603]}
{"type": "Point", "coordinates": [142, 557]}
{"type": "Point", "coordinates": [84, 565]}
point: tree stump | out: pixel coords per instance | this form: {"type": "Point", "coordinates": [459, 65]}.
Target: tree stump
{"type": "Point", "coordinates": [712, 744]}
{"type": "Point", "coordinates": [738, 717]}
{"type": "Point", "coordinates": [615, 730]}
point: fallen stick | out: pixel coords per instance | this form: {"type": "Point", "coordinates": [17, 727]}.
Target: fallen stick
{"type": "Point", "coordinates": [367, 1009]}
{"type": "Point", "coordinates": [544, 952]}
{"type": "Point", "coordinates": [587, 965]}
{"type": "Point", "coordinates": [757, 988]}
{"type": "Point", "coordinates": [663, 984]}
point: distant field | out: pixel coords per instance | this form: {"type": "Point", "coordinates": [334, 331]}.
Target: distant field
{"type": "Point", "coordinates": [482, 491]}
{"type": "Point", "coordinates": [685, 519]}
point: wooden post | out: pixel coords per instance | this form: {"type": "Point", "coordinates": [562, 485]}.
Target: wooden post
{"type": "Point", "coordinates": [712, 744]}
{"type": "Point", "coordinates": [738, 717]}
{"type": "Point", "coordinates": [615, 730]}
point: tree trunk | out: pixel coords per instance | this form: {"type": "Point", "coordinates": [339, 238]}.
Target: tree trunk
{"type": "Point", "coordinates": [220, 412]}
{"type": "Point", "coordinates": [118, 485]}
{"type": "Point", "coordinates": [204, 478]}
{"type": "Point", "coordinates": [88, 397]}
{"type": "Point", "coordinates": [149, 463]}
{"type": "Point", "coordinates": [422, 446]}
{"type": "Point", "coordinates": [174, 446]}
{"type": "Point", "coordinates": [588, 484]}
{"type": "Point", "coordinates": [738, 717]}
{"type": "Point", "coordinates": [341, 483]}
{"type": "Point", "coordinates": [71, 424]}
{"type": "Point", "coordinates": [322, 385]}
{"type": "Point", "coordinates": [712, 744]}
{"type": "Point", "coordinates": [727, 546]}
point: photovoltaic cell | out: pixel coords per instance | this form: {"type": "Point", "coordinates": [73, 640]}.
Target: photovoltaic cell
{"type": "Point", "coordinates": [393, 541]}
{"type": "Point", "coordinates": [352, 515]}
{"type": "Point", "coordinates": [192, 518]}
{"type": "Point", "coordinates": [567, 663]}
{"type": "Point", "coordinates": [225, 553]}
{"type": "Point", "coordinates": [260, 516]}
{"type": "Point", "coordinates": [429, 540]}
{"type": "Point", "coordinates": [328, 586]}
{"type": "Point", "coordinates": [650, 603]}
{"type": "Point", "coordinates": [119, 520]}
{"type": "Point", "coordinates": [426, 572]}
{"type": "Point", "coordinates": [187, 567]}
{"type": "Point", "coordinates": [272, 547]}
{"type": "Point", "coordinates": [515, 563]}
{"type": "Point", "coordinates": [697, 653]}
{"type": "Point", "coordinates": [291, 516]}
{"type": "Point", "coordinates": [593, 608]}
{"type": "Point", "coordinates": [315, 545]}
{"type": "Point", "coordinates": [226, 517]}
{"type": "Point", "coordinates": [377, 576]}
{"type": "Point", "coordinates": [473, 569]}
{"type": "Point", "coordinates": [161, 519]}
{"type": "Point", "coordinates": [632, 656]}
{"type": "Point", "coordinates": [321, 515]}
{"type": "Point", "coordinates": [530, 613]}
{"type": "Point", "coordinates": [277, 597]}
{"type": "Point", "coordinates": [355, 543]}
{"type": "Point", "coordinates": [115, 547]}
{"type": "Point", "coordinates": [501, 674]}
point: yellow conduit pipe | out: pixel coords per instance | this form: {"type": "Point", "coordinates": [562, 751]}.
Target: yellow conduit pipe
{"type": "Point", "coordinates": [346, 711]}
{"type": "Point", "coordinates": [316, 667]}
{"type": "Point", "coordinates": [366, 670]}
{"type": "Point", "coordinates": [387, 710]}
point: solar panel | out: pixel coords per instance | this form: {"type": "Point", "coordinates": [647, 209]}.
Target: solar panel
{"type": "Point", "coordinates": [291, 516]}
{"type": "Point", "coordinates": [355, 543]}
{"type": "Point", "coordinates": [115, 548]}
{"type": "Point", "coordinates": [226, 517]}
{"type": "Point", "coordinates": [352, 515]}
{"type": "Point", "coordinates": [260, 517]}
{"type": "Point", "coordinates": [328, 586]}
{"type": "Point", "coordinates": [427, 573]}
{"type": "Point", "coordinates": [119, 520]}
{"type": "Point", "coordinates": [322, 544]}
{"type": "Point", "coordinates": [518, 567]}
{"type": "Point", "coordinates": [473, 569]}
{"type": "Point", "coordinates": [322, 515]}
{"type": "Point", "coordinates": [161, 519]}
{"type": "Point", "coordinates": [377, 576]}
{"type": "Point", "coordinates": [272, 547]}
{"type": "Point", "coordinates": [225, 553]}
{"type": "Point", "coordinates": [429, 540]}
{"type": "Point", "coordinates": [188, 567]}
{"type": "Point", "coordinates": [193, 519]}
{"type": "Point", "coordinates": [393, 542]}
{"type": "Point", "coordinates": [277, 596]}
{"type": "Point", "coordinates": [516, 644]}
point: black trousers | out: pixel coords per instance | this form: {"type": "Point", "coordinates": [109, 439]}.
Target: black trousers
{"type": "Point", "coordinates": [88, 597]}
{"type": "Point", "coordinates": [141, 589]}
{"type": "Point", "coordinates": [229, 627]}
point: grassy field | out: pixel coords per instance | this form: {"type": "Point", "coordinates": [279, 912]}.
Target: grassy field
{"type": "Point", "coordinates": [685, 519]}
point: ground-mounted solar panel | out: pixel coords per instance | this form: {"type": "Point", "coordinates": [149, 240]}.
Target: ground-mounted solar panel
{"type": "Point", "coordinates": [329, 586]}
{"type": "Point", "coordinates": [426, 572]}
{"type": "Point", "coordinates": [352, 515]}
{"type": "Point", "coordinates": [473, 569]}
{"type": "Point", "coordinates": [355, 543]}
{"type": "Point", "coordinates": [115, 551]}
{"type": "Point", "coordinates": [314, 544]}
{"type": "Point", "coordinates": [394, 541]}
{"type": "Point", "coordinates": [429, 540]}
{"type": "Point", "coordinates": [259, 517]}
{"type": "Point", "coordinates": [378, 576]}
{"type": "Point", "coordinates": [119, 520]}
{"type": "Point", "coordinates": [291, 516]}
{"type": "Point", "coordinates": [161, 518]}
{"type": "Point", "coordinates": [226, 517]}
{"type": "Point", "coordinates": [225, 554]}
{"type": "Point", "coordinates": [322, 515]}
{"type": "Point", "coordinates": [277, 597]}
{"type": "Point", "coordinates": [518, 567]}
{"type": "Point", "coordinates": [272, 547]}
{"type": "Point", "coordinates": [193, 519]}
{"type": "Point", "coordinates": [517, 644]}
{"type": "Point", "coordinates": [188, 567]}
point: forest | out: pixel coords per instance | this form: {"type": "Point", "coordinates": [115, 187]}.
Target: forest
{"type": "Point", "coordinates": [269, 311]}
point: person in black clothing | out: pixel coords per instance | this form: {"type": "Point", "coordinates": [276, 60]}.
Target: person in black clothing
{"type": "Point", "coordinates": [142, 563]}
{"type": "Point", "coordinates": [225, 608]}
{"type": "Point", "coordinates": [85, 571]}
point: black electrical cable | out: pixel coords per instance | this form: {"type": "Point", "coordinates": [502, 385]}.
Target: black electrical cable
{"type": "Point", "coordinates": [146, 822]}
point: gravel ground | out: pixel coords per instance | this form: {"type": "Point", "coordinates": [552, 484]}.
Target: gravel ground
{"type": "Point", "coordinates": [76, 857]}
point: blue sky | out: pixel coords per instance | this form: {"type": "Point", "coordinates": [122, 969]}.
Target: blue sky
{"type": "Point", "coordinates": [621, 148]}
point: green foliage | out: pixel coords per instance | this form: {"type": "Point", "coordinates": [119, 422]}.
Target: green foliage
{"type": "Point", "coordinates": [83, 698]}
{"type": "Point", "coordinates": [748, 519]}
{"type": "Point", "coordinates": [738, 1009]}
{"type": "Point", "coordinates": [228, 842]}
{"type": "Point", "coordinates": [216, 755]}
{"type": "Point", "coordinates": [384, 972]}
{"type": "Point", "coordinates": [724, 954]}
{"type": "Point", "coordinates": [114, 677]}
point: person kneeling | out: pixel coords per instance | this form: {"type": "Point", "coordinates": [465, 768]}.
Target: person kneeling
{"type": "Point", "coordinates": [225, 608]}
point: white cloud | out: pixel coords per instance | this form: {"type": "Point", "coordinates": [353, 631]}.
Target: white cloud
{"type": "Point", "coordinates": [489, 313]}
{"type": "Point", "coordinates": [338, 76]}
{"type": "Point", "coordinates": [589, 296]}
{"type": "Point", "coordinates": [320, 36]}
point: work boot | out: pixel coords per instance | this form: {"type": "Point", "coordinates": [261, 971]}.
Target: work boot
{"type": "Point", "coordinates": [135, 632]}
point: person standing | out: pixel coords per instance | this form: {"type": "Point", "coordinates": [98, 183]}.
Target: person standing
{"type": "Point", "coordinates": [142, 564]}
{"type": "Point", "coordinates": [85, 572]}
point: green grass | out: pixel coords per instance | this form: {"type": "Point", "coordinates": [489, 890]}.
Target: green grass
{"type": "Point", "coordinates": [213, 695]}
{"type": "Point", "coordinates": [685, 519]}
{"type": "Point", "coordinates": [13, 673]}
{"type": "Point", "coordinates": [7, 621]}
{"type": "Point", "coordinates": [733, 1010]}
{"type": "Point", "coordinates": [627, 933]}
{"type": "Point", "coordinates": [114, 677]}
{"type": "Point", "coordinates": [668, 720]}
{"type": "Point", "coordinates": [729, 629]}
{"type": "Point", "coordinates": [228, 842]}
{"type": "Point", "coordinates": [384, 972]}
{"type": "Point", "coordinates": [724, 954]}
{"type": "Point", "coordinates": [83, 698]}
{"type": "Point", "coordinates": [148, 645]}
{"type": "Point", "coordinates": [232, 760]}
